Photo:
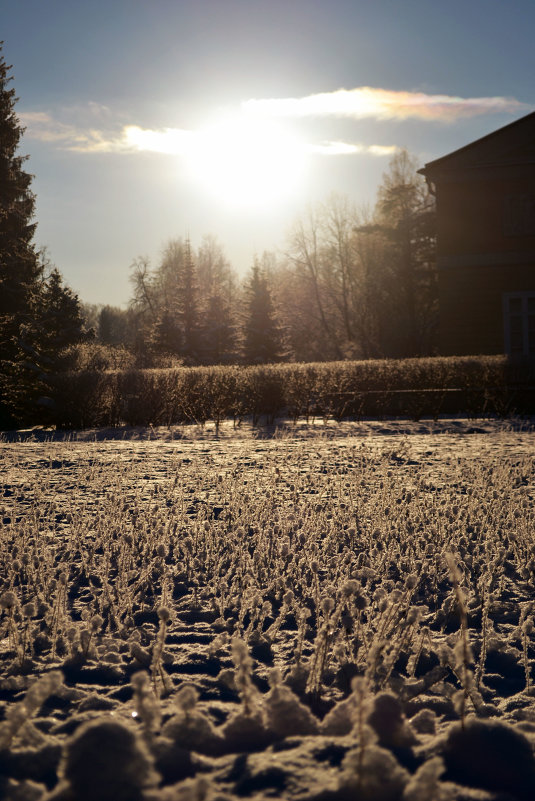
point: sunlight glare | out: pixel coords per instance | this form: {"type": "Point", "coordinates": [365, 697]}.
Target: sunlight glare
{"type": "Point", "coordinates": [247, 162]}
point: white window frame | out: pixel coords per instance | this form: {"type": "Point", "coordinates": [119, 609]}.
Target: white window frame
{"type": "Point", "coordinates": [523, 297]}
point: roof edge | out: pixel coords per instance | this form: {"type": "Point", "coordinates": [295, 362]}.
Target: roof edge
{"type": "Point", "coordinates": [436, 163]}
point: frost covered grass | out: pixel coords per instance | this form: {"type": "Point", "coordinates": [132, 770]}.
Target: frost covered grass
{"type": "Point", "coordinates": [336, 616]}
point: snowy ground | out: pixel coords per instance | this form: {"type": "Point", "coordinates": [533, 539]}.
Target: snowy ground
{"type": "Point", "coordinates": [290, 561]}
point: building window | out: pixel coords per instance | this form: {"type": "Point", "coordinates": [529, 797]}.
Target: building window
{"type": "Point", "coordinates": [519, 324]}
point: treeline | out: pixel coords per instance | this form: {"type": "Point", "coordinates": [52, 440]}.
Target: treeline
{"type": "Point", "coordinates": [414, 388]}
{"type": "Point", "coordinates": [350, 285]}
{"type": "Point", "coordinates": [192, 309]}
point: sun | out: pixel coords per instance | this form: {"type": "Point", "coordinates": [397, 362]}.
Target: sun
{"type": "Point", "coordinates": [246, 162]}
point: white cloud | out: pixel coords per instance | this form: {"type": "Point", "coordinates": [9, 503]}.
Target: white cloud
{"type": "Point", "coordinates": [92, 138]}
{"type": "Point", "coordinates": [169, 141]}
{"type": "Point", "coordinates": [172, 141]}
{"type": "Point", "coordinates": [40, 125]}
{"type": "Point", "coordinates": [346, 149]}
{"type": "Point", "coordinates": [366, 101]}
{"type": "Point", "coordinates": [382, 150]}
{"type": "Point", "coordinates": [43, 127]}
{"type": "Point", "coordinates": [92, 128]}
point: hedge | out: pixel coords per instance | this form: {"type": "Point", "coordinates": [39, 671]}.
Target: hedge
{"type": "Point", "coordinates": [475, 386]}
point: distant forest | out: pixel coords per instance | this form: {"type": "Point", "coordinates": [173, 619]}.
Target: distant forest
{"type": "Point", "coordinates": [350, 285]}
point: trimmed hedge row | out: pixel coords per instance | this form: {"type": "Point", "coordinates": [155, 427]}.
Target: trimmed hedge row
{"type": "Point", "coordinates": [477, 386]}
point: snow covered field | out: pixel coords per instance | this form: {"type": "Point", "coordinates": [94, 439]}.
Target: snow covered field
{"type": "Point", "coordinates": [331, 611]}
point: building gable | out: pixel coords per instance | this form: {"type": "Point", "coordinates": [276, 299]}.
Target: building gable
{"type": "Point", "coordinates": [510, 145]}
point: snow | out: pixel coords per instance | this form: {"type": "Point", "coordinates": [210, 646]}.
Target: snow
{"type": "Point", "coordinates": [173, 589]}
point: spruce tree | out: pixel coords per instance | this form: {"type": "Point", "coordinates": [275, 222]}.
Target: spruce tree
{"type": "Point", "coordinates": [60, 320]}
{"type": "Point", "coordinates": [262, 339]}
{"type": "Point", "coordinates": [188, 309]}
{"type": "Point", "coordinates": [165, 335]}
{"type": "Point", "coordinates": [19, 264]}
{"type": "Point", "coordinates": [219, 332]}
{"type": "Point", "coordinates": [112, 325]}
{"type": "Point", "coordinates": [38, 315]}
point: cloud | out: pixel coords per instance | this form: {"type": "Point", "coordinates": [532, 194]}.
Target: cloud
{"type": "Point", "coordinates": [89, 138]}
{"type": "Point", "coordinates": [130, 139]}
{"type": "Point", "coordinates": [345, 149]}
{"type": "Point", "coordinates": [92, 128]}
{"type": "Point", "coordinates": [383, 104]}
{"type": "Point", "coordinates": [171, 141]}
{"type": "Point", "coordinates": [44, 127]}
{"type": "Point", "coordinates": [40, 125]}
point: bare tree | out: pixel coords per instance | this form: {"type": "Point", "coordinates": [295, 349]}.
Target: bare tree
{"type": "Point", "coordinates": [307, 256]}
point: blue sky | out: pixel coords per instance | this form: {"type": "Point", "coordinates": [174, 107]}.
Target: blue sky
{"type": "Point", "coordinates": [148, 120]}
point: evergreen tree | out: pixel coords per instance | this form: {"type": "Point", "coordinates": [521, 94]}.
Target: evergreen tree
{"type": "Point", "coordinates": [38, 314]}
{"type": "Point", "coordinates": [188, 309]}
{"type": "Point", "coordinates": [214, 273]}
{"type": "Point", "coordinates": [219, 332]}
{"type": "Point", "coordinates": [19, 263]}
{"type": "Point", "coordinates": [54, 322]}
{"type": "Point", "coordinates": [112, 325]}
{"type": "Point", "coordinates": [165, 335]}
{"type": "Point", "coordinates": [20, 270]}
{"type": "Point", "coordinates": [170, 299]}
{"type": "Point", "coordinates": [217, 298]}
{"type": "Point", "coordinates": [59, 318]}
{"type": "Point", "coordinates": [186, 306]}
{"type": "Point", "coordinates": [262, 339]}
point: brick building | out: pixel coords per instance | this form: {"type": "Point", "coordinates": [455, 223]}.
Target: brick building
{"type": "Point", "coordinates": [485, 195]}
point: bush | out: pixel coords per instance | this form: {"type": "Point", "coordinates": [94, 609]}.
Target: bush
{"type": "Point", "coordinates": [414, 388]}
{"type": "Point", "coordinates": [95, 357]}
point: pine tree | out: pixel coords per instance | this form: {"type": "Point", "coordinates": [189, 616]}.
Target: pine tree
{"type": "Point", "coordinates": [262, 339]}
